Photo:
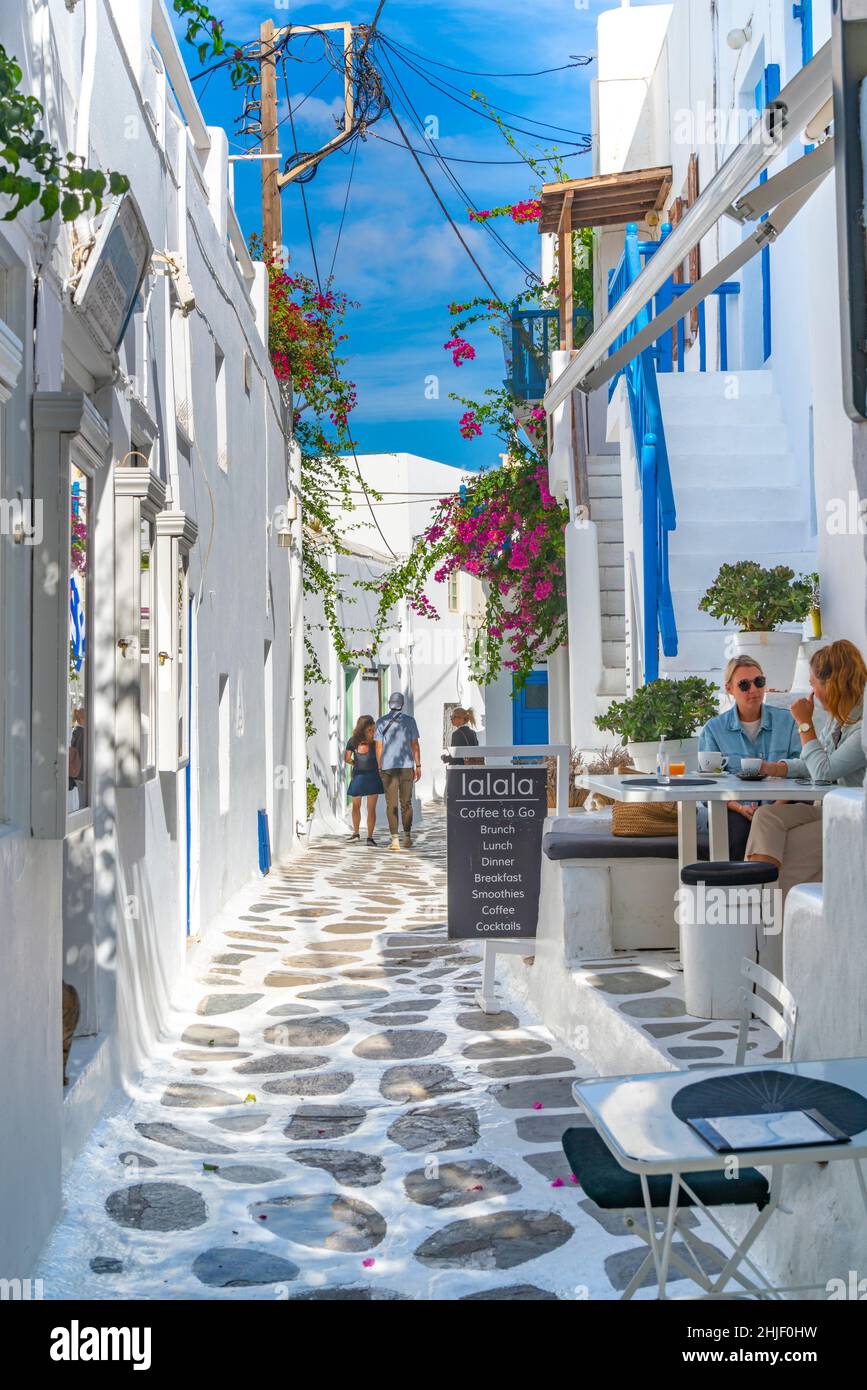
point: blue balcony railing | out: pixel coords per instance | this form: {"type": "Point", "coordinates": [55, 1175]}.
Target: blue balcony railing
{"type": "Point", "coordinates": [535, 335]}
{"type": "Point", "coordinates": [667, 354]}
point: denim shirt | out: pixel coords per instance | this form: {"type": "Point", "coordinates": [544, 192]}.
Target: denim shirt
{"type": "Point", "coordinates": [777, 738]}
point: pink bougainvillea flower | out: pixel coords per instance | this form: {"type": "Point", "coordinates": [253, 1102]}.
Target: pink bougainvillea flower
{"type": "Point", "coordinates": [537, 1105]}
{"type": "Point", "coordinates": [461, 350]}
{"type": "Point", "coordinates": [469, 425]}
{"type": "Point", "coordinates": [558, 1182]}
{"type": "Point", "coordinates": [368, 1263]}
{"type": "Point", "coordinates": [572, 1178]}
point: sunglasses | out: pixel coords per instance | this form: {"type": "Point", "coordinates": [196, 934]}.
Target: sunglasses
{"type": "Point", "coordinates": [760, 682]}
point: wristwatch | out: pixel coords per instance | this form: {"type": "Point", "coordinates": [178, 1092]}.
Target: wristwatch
{"type": "Point", "coordinates": [804, 728]}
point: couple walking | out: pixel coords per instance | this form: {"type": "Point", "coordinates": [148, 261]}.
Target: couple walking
{"type": "Point", "coordinates": [385, 757]}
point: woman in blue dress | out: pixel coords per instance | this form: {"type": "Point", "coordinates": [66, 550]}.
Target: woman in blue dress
{"type": "Point", "coordinates": [365, 781]}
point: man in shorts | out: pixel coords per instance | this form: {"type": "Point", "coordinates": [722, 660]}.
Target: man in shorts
{"type": "Point", "coordinates": [399, 757]}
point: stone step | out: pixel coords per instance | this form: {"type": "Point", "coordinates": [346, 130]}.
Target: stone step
{"type": "Point", "coordinates": [614, 627]}
{"type": "Point", "coordinates": [613, 603]}
{"type": "Point", "coordinates": [606, 509]}
{"type": "Point", "coordinates": [698, 571]}
{"type": "Point", "coordinates": [691, 467]}
{"type": "Point", "coordinates": [614, 681]}
{"type": "Point", "coordinates": [602, 465]}
{"type": "Point", "coordinates": [722, 440]}
{"type": "Point", "coordinates": [686, 385]}
{"type": "Point", "coordinates": [610, 554]}
{"type": "Point", "coordinates": [609, 532]}
{"type": "Point", "coordinates": [605, 485]}
{"type": "Point", "coordinates": [745, 505]}
{"type": "Point", "coordinates": [728, 540]}
{"type": "Point", "coordinates": [612, 654]}
{"type": "Point", "coordinates": [611, 577]}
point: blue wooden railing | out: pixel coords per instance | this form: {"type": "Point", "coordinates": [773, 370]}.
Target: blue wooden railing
{"type": "Point", "coordinates": [535, 335]}
{"type": "Point", "coordinates": [659, 513]}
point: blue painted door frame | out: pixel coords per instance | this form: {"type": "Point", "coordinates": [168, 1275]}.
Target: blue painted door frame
{"type": "Point", "coordinates": [530, 710]}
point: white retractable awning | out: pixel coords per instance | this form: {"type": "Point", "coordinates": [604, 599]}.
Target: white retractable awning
{"type": "Point", "coordinates": [783, 121]}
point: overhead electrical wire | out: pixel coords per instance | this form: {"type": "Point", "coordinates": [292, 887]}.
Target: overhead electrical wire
{"type": "Point", "coordinates": [469, 72]}
{"type": "Point", "coordinates": [377, 94]}
{"type": "Point", "coordinates": [491, 231]}
{"type": "Point", "coordinates": [457, 159]}
{"type": "Point", "coordinates": [448, 89]}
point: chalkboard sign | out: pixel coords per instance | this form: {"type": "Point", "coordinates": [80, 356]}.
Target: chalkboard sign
{"type": "Point", "coordinates": [495, 820]}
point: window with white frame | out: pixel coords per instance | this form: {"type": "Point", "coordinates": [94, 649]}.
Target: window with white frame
{"type": "Point", "coordinates": [70, 445]}
{"type": "Point", "coordinates": [139, 496]}
{"type": "Point", "coordinates": [454, 592]}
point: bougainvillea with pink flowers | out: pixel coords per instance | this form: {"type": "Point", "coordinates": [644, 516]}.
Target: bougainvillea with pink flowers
{"type": "Point", "coordinates": [504, 527]}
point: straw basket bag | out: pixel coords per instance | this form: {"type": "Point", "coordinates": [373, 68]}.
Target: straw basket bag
{"type": "Point", "coordinates": [643, 819]}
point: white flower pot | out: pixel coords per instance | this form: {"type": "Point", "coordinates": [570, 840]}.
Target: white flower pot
{"type": "Point", "coordinates": [776, 653]}
{"type": "Point", "coordinates": [681, 750]}
{"type": "Point", "coordinates": [806, 651]}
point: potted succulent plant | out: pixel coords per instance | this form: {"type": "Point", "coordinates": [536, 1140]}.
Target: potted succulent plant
{"type": "Point", "coordinates": [675, 710]}
{"type": "Point", "coordinates": [760, 602]}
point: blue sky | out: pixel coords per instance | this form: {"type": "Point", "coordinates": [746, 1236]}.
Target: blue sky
{"type": "Point", "coordinates": [398, 256]}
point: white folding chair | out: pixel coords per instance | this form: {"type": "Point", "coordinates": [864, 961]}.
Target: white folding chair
{"type": "Point", "coordinates": [783, 1021]}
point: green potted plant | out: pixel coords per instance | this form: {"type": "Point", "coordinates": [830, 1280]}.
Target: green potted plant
{"type": "Point", "coordinates": [675, 710]}
{"type": "Point", "coordinates": [760, 603]}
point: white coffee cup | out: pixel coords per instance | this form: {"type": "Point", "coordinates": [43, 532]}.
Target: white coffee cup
{"type": "Point", "coordinates": [712, 762]}
{"type": "Point", "coordinates": [751, 766]}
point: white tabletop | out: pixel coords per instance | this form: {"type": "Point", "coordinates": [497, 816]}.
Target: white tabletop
{"type": "Point", "coordinates": [634, 1116]}
{"type": "Point", "coordinates": [726, 788]}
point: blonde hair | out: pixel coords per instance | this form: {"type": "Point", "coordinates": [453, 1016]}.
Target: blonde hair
{"type": "Point", "coordinates": [738, 661]}
{"type": "Point", "coordinates": [466, 716]}
{"type": "Point", "coordinates": [841, 669]}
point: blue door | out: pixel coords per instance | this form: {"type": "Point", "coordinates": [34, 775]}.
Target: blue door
{"type": "Point", "coordinates": [530, 710]}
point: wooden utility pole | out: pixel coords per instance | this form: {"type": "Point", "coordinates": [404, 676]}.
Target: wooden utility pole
{"type": "Point", "coordinates": [272, 213]}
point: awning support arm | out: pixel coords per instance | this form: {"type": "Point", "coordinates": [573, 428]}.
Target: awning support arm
{"type": "Point", "coordinates": [782, 121]}
{"type": "Point", "coordinates": [753, 205]}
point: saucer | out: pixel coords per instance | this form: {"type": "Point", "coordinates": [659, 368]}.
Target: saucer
{"type": "Point", "coordinates": [752, 776]}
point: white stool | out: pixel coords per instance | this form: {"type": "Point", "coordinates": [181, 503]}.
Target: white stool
{"type": "Point", "coordinates": [723, 914]}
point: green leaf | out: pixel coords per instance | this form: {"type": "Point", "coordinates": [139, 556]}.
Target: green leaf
{"type": "Point", "coordinates": [50, 200]}
{"type": "Point", "coordinates": [70, 207]}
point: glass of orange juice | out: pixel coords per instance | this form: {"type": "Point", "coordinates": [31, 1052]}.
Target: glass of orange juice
{"type": "Point", "coordinates": [677, 769]}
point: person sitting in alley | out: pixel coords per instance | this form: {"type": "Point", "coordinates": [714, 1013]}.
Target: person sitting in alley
{"type": "Point", "coordinates": [398, 755]}
{"type": "Point", "coordinates": [365, 781]}
{"type": "Point", "coordinates": [750, 729]}
{"type": "Point", "coordinates": [789, 834]}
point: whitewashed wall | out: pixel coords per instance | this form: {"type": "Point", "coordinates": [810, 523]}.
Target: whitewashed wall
{"type": "Point", "coordinates": [118, 887]}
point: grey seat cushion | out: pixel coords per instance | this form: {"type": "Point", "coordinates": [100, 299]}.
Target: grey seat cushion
{"type": "Point", "coordinates": [595, 843]}
{"type": "Point", "coordinates": [588, 836]}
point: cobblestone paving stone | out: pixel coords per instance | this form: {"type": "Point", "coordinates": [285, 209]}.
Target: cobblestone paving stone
{"type": "Point", "coordinates": [380, 1138]}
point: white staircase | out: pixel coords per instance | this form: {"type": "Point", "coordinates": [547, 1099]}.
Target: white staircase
{"type": "Point", "coordinates": [740, 494]}
{"type": "Point", "coordinates": [606, 510]}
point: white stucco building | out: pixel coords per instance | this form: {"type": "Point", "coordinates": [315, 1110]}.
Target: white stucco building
{"type": "Point", "coordinates": [150, 620]}
{"type": "Point", "coordinates": [746, 419]}
{"type": "Point", "coordinates": [427, 659]}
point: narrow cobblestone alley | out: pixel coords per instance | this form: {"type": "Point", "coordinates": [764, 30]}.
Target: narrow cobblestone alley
{"type": "Point", "coordinates": [335, 1117]}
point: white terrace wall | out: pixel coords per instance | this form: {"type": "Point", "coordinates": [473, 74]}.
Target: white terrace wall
{"type": "Point", "coordinates": [107, 907]}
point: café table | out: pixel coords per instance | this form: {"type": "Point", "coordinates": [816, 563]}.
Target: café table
{"type": "Point", "coordinates": [689, 791]}
{"type": "Point", "coordinates": [642, 1122]}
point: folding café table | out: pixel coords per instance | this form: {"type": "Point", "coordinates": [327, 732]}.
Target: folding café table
{"type": "Point", "coordinates": [643, 1122]}
{"type": "Point", "coordinates": [687, 792]}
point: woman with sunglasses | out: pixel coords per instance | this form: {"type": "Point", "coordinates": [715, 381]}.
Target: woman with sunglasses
{"type": "Point", "coordinates": [750, 729]}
